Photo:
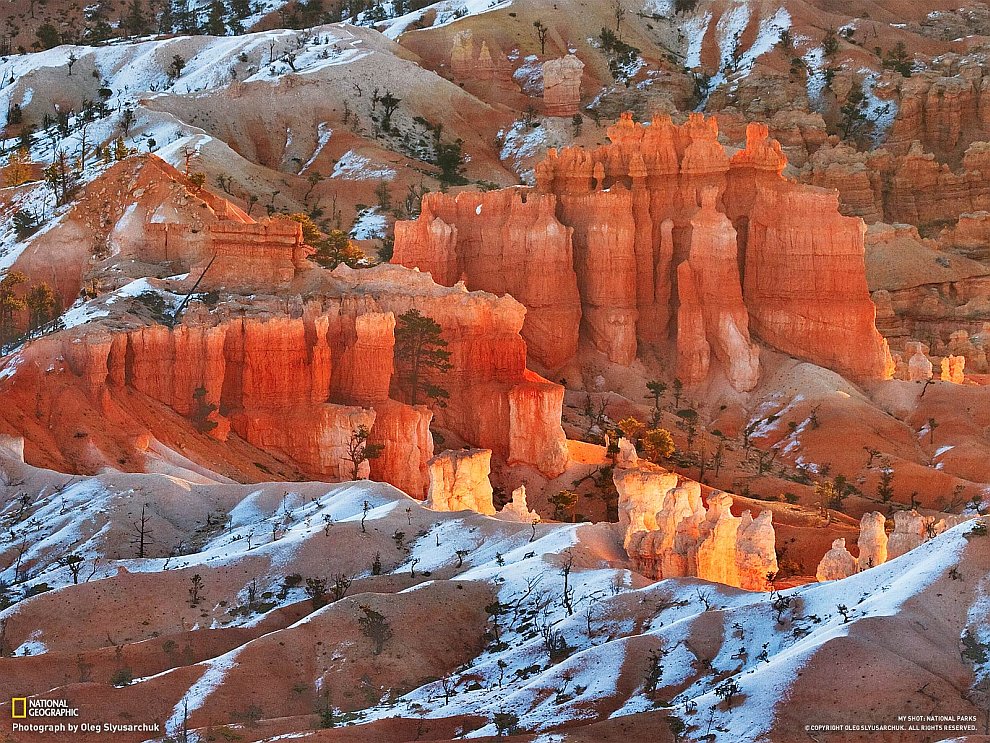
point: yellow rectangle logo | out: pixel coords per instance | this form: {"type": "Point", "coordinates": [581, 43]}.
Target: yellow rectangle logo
{"type": "Point", "coordinates": [14, 704]}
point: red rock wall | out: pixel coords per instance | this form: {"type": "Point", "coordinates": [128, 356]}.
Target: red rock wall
{"type": "Point", "coordinates": [297, 386]}
{"type": "Point", "coordinates": [504, 242]}
{"type": "Point", "coordinates": [630, 205]}
{"type": "Point", "coordinates": [806, 288]}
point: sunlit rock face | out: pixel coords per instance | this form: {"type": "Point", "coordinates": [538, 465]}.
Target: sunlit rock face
{"type": "Point", "coordinates": [659, 237]}
{"type": "Point", "coordinates": [669, 532]}
{"type": "Point", "coordinates": [459, 481]}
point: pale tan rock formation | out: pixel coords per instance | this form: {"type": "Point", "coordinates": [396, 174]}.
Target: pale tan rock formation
{"type": "Point", "coordinates": [627, 456]}
{"type": "Point", "coordinates": [910, 531]}
{"type": "Point", "coordinates": [838, 563]}
{"type": "Point", "coordinates": [562, 86]}
{"type": "Point", "coordinates": [681, 538]}
{"type": "Point", "coordinates": [642, 494]}
{"type": "Point", "coordinates": [517, 509]}
{"type": "Point", "coordinates": [920, 367]}
{"type": "Point", "coordinates": [459, 481]}
{"type": "Point", "coordinates": [873, 542]}
{"type": "Point", "coordinates": [756, 555]}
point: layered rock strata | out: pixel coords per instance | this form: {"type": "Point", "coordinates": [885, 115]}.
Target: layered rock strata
{"type": "Point", "coordinates": [299, 385]}
{"type": "Point", "coordinates": [562, 86]}
{"type": "Point", "coordinates": [618, 223]}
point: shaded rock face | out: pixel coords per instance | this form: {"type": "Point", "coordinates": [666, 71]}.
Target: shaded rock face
{"type": "Point", "coordinates": [907, 185]}
{"type": "Point", "coordinates": [837, 564]}
{"type": "Point", "coordinates": [562, 86]}
{"type": "Point", "coordinates": [297, 386]}
{"type": "Point", "coordinates": [712, 318]}
{"type": "Point", "coordinates": [944, 108]}
{"type": "Point", "coordinates": [669, 533]}
{"type": "Point", "coordinates": [470, 60]}
{"type": "Point", "coordinates": [647, 228]}
{"type": "Point", "coordinates": [517, 509]}
{"type": "Point", "coordinates": [459, 481]}
{"type": "Point", "coordinates": [808, 298]}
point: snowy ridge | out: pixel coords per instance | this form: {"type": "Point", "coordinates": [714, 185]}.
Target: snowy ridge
{"type": "Point", "coordinates": [442, 13]}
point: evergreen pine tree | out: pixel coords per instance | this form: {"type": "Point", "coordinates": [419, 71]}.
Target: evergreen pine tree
{"type": "Point", "coordinates": [421, 356]}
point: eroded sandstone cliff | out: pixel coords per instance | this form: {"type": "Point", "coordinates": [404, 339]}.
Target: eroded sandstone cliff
{"type": "Point", "coordinates": [661, 235]}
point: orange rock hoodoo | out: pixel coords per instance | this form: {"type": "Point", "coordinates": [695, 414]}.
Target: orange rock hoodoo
{"type": "Point", "coordinates": [647, 229]}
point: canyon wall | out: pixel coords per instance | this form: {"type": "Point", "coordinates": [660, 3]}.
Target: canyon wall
{"type": "Point", "coordinates": [297, 385]}
{"type": "Point", "coordinates": [617, 225]}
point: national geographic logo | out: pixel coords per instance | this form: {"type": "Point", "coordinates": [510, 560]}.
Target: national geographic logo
{"type": "Point", "coordinates": [21, 708]}
{"type": "Point", "coordinates": [48, 717]}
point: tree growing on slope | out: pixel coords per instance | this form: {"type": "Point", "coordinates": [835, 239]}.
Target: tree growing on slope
{"type": "Point", "coordinates": [421, 357]}
{"type": "Point", "coordinates": [10, 304]}
{"type": "Point", "coordinates": [359, 450]}
{"type": "Point", "coordinates": [375, 627]}
{"type": "Point", "coordinates": [41, 304]}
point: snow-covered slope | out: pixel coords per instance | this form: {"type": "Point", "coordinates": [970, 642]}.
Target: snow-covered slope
{"type": "Point", "coordinates": [571, 637]}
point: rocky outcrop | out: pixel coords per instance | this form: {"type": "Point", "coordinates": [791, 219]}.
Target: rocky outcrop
{"type": "Point", "coordinates": [517, 509]}
{"type": "Point", "coordinates": [298, 384]}
{"type": "Point", "coordinates": [562, 86]}
{"type": "Point", "coordinates": [673, 242]}
{"type": "Point", "coordinates": [459, 481]}
{"type": "Point", "coordinates": [669, 532]}
{"type": "Point", "coordinates": [262, 255]}
{"type": "Point", "coordinates": [505, 242]}
{"type": "Point", "coordinates": [910, 531]}
{"type": "Point", "coordinates": [470, 60]}
{"type": "Point", "coordinates": [837, 564]}
{"type": "Point", "coordinates": [920, 368]}
{"type": "Point", "coordinates": [807, 297]}
{"type": "Point", "coordinates": [712, 320]}
{"type": "Point", "coordinates": [952, 369]}
{"type": "Point", "coordinates": [970, 235]}
{"type": "Point", "coordinates": [872, 540]}
{"type": "Point", "coordinates": [945, 107]}
{"type": "Point", "coordinates": [876, 547]}
{"type": "Point", "coordinates": [626, 456]}
{"type": "Point", "coordinates": [908, 184]}
{"type": "Point", "coordinates": [642, 493]}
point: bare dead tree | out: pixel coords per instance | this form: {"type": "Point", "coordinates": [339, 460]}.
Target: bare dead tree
{"type": "Point", "coordinates": [142, 534]}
